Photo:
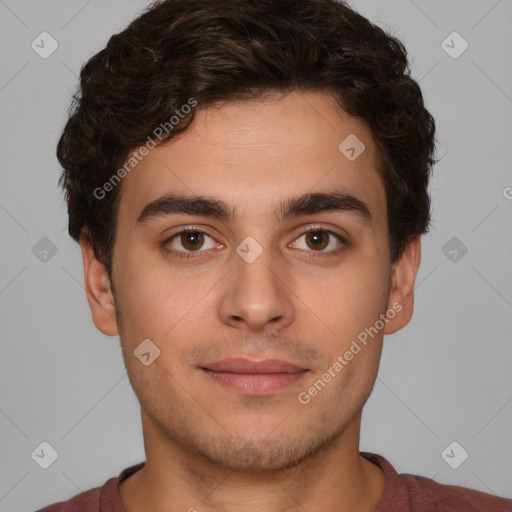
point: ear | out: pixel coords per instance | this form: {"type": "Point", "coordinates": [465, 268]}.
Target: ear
{"type": "Point", "coordinates": [401, 297]}
{"type": "Point", "coordinates": [98, 290]}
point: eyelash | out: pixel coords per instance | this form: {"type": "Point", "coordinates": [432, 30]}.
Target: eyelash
{"type": "Point", "coordinates": [312, 254]}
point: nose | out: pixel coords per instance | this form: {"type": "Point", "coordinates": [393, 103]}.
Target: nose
{"type": "Point", "coordinates": [258, 295]}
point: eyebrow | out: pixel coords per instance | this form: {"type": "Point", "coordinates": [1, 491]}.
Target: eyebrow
{"type": "Point", "coordinates": [309, 203]}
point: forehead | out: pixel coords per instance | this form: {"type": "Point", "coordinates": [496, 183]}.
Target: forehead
{"type": "Point", "coordinates": [252, 154]}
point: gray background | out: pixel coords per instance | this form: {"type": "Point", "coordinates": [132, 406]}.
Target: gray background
{"type": "Point", "coordinates": [445, 377]}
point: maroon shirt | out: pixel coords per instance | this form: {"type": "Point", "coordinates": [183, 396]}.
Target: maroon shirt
{"type": "Point", "coordinates": [403, 493]}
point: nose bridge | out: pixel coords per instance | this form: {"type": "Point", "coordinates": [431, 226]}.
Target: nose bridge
{"type": "Point", "coordinates": [255, 267]}
{"type": "Point", "coordinates": [256, 295]}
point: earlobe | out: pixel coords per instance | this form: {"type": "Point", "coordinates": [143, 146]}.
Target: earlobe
{"type": "Point", "coordinates": [401, 297]}
{"type": "Point", "coordinates": [98, 290]}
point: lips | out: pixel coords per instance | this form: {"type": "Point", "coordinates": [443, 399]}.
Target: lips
{"type": "Point", "coordinates": [241, 365]}
{"type": "Point", "coordinates": [254, 377]}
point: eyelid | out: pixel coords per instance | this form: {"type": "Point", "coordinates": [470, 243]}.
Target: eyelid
{"type": "Point", "coordinates": [320, 227]}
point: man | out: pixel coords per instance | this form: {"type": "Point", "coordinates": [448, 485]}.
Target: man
{"type": "Point", "coordinates": [248, 183]}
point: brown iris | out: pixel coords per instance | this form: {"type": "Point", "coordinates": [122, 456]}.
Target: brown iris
{"type": "Point", "coordinates": [319, 239]}
{"type": "Point", "coordinates": [192, 240]}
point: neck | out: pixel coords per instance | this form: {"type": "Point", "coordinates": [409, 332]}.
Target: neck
{"type": "Point", "coordinates": [334, 478]}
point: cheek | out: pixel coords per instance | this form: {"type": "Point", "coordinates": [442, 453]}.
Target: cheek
{"type": "Point", "coordinates": [350, 298]}
{"type": "Point", "coordinates": [156, 296]}
{"type": "Point", "coordinates": [142, 295]}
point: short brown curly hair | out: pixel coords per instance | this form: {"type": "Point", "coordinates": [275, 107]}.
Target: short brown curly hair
{"type": "Point", "coordinates": [223, 50]}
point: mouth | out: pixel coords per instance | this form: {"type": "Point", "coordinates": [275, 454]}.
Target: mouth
{"type": "Point", "coordinates": [254, 377]}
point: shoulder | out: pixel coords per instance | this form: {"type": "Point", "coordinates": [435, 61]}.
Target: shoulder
{"type": "Point", "coordinates": [88, 501]}
{"type": "Point", "coordinates": [106, 498]}
{"type": "Point", "coordinates": [431, 495]}
{"type": "Point", "coordinates": [413, 493]}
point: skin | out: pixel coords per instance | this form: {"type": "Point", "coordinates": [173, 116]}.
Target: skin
{"type": "Point", "coordinates": [209, 447]}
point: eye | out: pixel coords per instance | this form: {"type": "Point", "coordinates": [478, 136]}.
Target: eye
{"type": "Point", "coordinates": [191, 240]}
{"type": "Point", "coordinates": [320, 240]}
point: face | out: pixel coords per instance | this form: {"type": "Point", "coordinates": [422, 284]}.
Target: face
{"type": "Point", "coordinates": [286, 258]}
